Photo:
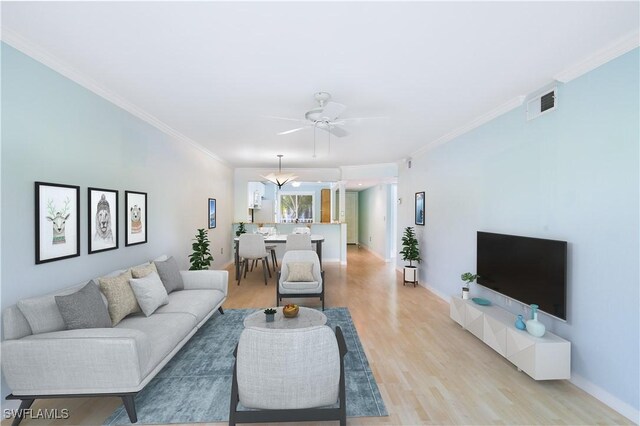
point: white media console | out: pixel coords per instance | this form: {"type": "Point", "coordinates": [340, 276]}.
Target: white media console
{"type": "Point", "coordinates": [543, 358]}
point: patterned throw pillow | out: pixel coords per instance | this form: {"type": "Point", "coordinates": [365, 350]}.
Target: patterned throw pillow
{"type": "Point", "coordinates": [300, 272]}
{"type": "Point", "coordinates": [144, 270]}
{"type": "Point", "coordinates": [119, 294]}
{"type": "Point", "coordinates": [84, 308]}
{"type": "Point", "coordinates": [170, 275]}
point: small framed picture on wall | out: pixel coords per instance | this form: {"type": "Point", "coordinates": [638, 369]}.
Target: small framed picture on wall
{"type": "Point", "coordinates": [103, 219]}
{"type": "Point", "coordinates": [420, 208]}
{"type": "Point", "coordinates": [212, 213]}
{"type": "Point", "coordinates": [135, 211]}
{"type": "Point", "coordinates": [57, 221]}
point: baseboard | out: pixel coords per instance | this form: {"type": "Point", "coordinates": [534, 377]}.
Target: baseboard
{"type": "Point", "coordinates": [441, 295]}
{"type": "Point", "coordinates": [605, 397]}
{"type": "Point", "coordinates": [374, 253]}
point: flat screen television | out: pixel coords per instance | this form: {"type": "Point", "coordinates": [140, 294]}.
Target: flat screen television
{"type": "Point", "coordinates": [529, 270]}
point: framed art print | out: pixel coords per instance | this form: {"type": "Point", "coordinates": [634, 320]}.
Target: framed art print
{"type": "Point", "coordinates": [212, 213]}
{"type": "Point", "coordinates": [57, 217]}
{"type": "Point", "coordinates": [103, 219]}
{"type": "Point", "coordinates": [420, 208]}
{"type": "Point", "coordinates": [135, 209]}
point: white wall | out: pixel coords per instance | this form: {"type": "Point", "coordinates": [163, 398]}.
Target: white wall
{"type": "Point", "coordinates": [375, 219]}
{"type": "Point", "coordinates": [571, 175]}
{"type": "Point", "coordinates": [53, 130]}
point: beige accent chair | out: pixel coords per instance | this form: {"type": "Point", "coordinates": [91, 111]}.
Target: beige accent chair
{"type": "Point", "coordinates": [295, 289]}
{"type": "Point", "coordinates": [251, 247]}
{"type": "Point", "coordinates": [288, 375]}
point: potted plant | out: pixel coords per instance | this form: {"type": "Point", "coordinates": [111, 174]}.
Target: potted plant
{"type": "Point", "coordinates": [468, 278]}
{"type": "Point", "coordinates": [241, 229]}
{"type": "Point", "coordinates": [270, 314]}
{"type": "Point", "coordinates": [201, 257]}
{"type": "Point", "coordinates": [410, 252]}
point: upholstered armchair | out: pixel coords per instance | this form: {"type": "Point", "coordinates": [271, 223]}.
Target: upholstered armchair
{"type": "Point", "coordinates": [289, 375]}
{"type": "Point", "coordinates": [308, 280]}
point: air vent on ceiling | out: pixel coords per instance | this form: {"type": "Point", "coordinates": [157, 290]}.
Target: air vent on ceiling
{"type": "Point", "coordinates": [542, 104]}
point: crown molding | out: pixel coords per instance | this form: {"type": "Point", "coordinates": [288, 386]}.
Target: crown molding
{"type": "Point", "coordinates": [477, 122]}
{"type": "Point", "coordinates": [601, 57]}
{"type": "Point", "coordinates": [37, 53]}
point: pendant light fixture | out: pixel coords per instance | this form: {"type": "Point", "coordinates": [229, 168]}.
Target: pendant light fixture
{"type": "Point", "coordinates": [280, 179]}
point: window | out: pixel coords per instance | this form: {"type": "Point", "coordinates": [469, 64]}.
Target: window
{"type": "Point", "coordinates": [296, 208]}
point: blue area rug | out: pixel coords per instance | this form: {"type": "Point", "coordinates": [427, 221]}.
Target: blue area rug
{"type": "Point", "coordinates": [195, 386]}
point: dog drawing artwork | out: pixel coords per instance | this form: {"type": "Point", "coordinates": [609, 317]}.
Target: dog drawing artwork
{"type": "Point", "coordinates": [136, 219]}
{"type": "Point", "coordinates": [104, 232]}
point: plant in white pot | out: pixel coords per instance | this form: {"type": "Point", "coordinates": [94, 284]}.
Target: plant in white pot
{"type": "Point", "coordinates": [410, 252]}
{"type": "Point", "coordinates": [468, 278]}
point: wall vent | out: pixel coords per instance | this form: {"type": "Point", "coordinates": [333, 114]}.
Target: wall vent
{"type": "Point", "coordinates": [542, 104]}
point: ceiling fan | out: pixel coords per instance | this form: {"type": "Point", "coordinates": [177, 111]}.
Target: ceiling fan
{"type": "Point", "coordinates": [325, 116]}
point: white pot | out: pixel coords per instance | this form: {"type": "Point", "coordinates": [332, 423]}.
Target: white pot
{"type": "Point", "coordinates": [411, 274]}
{"type": "Point", "coordinates": [465, 293]}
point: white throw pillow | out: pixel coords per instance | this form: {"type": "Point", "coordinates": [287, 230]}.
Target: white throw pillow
{"type": "Point", "coordinates": [149, 292]}
{"type": "Point", "coordinates": [300, 272]}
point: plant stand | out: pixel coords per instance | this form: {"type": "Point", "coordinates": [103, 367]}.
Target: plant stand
{"type": "Point", "coordinates": [410, 275]}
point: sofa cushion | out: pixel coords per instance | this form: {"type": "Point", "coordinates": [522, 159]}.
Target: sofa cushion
{"type": "Point", "coordinates": [198, 303]}
{"type": "Point", "coordinates": [163, 333]}
{"type": "Point", "coordinates": [149, 292]}
{"type": "Point", "coordinates": [119, 294]}
{"type": "Point", "coordinates": [84, 308]}
{"type": "Point", "coordinates": [142, 271]}
{"type": "Point", "coordinates": [170, 274]}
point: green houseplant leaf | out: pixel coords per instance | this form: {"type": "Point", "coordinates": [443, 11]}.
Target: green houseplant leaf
{"type": "Point", "coordinates": [410, 249]}
{"type": "Point", "coordinates": [201, 257]}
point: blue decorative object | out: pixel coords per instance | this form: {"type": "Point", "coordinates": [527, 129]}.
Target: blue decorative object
{"type": "Point", "coordinates": [520, 325]}
{"type": "Point", "coordinates": [481, 301]}
{"type": "Point", "coordinates": [534, 311]}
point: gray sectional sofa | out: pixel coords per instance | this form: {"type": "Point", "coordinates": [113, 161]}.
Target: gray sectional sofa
{"type": "Point", "coordinates": [54, 362]}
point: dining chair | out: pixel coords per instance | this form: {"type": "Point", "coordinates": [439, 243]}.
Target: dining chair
{"type": "Point", "coordinates": [298, 242]}
{"type": "Point", "coordinates": [271, 248]}
{"type": "Point", "coordinates": [251, 247]}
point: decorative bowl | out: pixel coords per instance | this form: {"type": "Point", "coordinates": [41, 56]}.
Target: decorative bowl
{"type": "Point", "coordinates": [290, 311]}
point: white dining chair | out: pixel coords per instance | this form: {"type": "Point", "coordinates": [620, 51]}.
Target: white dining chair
{"type": "Point", "coordinates": [298, 242]}
{"type": "Point", "coordinates": [251, 247]}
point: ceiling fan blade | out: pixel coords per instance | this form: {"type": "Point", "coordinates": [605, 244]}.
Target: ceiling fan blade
{"type": "Point", "coordinates": [332, 111]}
{"type": "Point", "coordinates": [338, 131]}
{"type": "Point", "coordinates": [293, 130]}
{"type": "Point", "coordinates": [363, 118]}
{"type": "Point", "coordinates": [284, 118]}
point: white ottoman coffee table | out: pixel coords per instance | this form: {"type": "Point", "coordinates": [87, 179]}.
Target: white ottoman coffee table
{"type": "Point", "coordinates": [306, 318]}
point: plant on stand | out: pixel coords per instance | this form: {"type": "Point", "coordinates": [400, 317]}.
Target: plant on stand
{"type": "Point", "coordinates": [468, 279]}
{"type": "Point", "coordinates": [410, 252]}
{"type": "Point", "coordinates": [201, 257]}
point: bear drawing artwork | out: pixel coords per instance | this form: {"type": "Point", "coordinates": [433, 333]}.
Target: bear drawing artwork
{"type": "Point", "coordinates": [136, 215]}
{"type": "Point", "coordinates": [136, 220]}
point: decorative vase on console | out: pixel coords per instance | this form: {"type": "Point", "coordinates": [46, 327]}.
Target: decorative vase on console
{"type": "Point", "coordinates": [520, 325]}
{"type": "Point", "coordinates": [535, 327]}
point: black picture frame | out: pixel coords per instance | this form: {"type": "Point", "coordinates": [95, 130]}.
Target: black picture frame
{"type": "Point", "coordinates": [102, 219]}
{"type": "Point", "coordinates": [211, 217]}
{"type": "Point", "coordinates": [419, 206]}
{"type": "Point", "coordinates": [135, 212]}
{"type": "Point", "coordinates": [59, 204]}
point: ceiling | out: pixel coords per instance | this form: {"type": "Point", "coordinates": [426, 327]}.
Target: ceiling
{"type": "Point", "coordinates": [213, 71]}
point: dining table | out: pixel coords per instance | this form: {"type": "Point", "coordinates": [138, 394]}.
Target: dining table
{"type": "Point", "coordinates": [279, 239]}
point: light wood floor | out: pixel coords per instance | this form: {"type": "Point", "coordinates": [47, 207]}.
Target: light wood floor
{"type": "Point", "coordinates": [429, 370]}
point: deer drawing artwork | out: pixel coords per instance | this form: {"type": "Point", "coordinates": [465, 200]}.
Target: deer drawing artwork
{"type": "Point", "coordinates": [58, 220]}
